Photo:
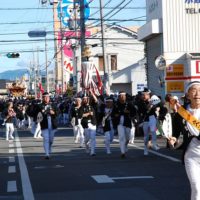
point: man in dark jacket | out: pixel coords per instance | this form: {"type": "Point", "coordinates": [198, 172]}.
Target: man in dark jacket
{"type": "Point", "coordinates": [123, 113]}
{"type": "Point", "coordinates": [48, 122]}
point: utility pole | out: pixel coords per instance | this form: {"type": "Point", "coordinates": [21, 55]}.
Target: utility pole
{"type": "Point", "coordinates": [61, 48]}
{"type": "Point", "coordinates": [106, 77]}
{"type": "Point", "coordinates": [46, 60]}
{"type": "Point", "coordinates": [82, 35]}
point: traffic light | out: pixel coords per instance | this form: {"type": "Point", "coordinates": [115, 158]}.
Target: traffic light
{"type": "Point", "coordinates": [13, 55]}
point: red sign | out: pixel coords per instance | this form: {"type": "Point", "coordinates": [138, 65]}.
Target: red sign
{"type": "Point", "coordinates": [198, 66]}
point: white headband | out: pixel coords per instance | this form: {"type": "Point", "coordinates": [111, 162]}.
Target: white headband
{"type": "Point", "coordinates": [191, 84]}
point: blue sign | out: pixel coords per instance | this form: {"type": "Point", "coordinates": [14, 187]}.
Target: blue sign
{"type": "Point", "coordinates": [69, 14]}
{"type": "Point", "coordinates": [37, 33]}
{"type": "Point", "coordinates": [192, 1]}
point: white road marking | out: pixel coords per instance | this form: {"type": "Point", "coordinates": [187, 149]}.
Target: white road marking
{"type": "Point", "coordinates": [45, 167]}
{"type": "Point", "coordinates": [11, 186]}
{"type": "Point", "coordinates": [132, 177]}
{"type": "Point", "coordinates": [154, 152]}
{"type": "Point", "coordinates": [11, 145]}
{"type": "Point", "coordinates": [102, 179]}
{"type": "Point", "coordinates": [11, 169]}
{"type": "Point", "coordinates": [11, 159]}
{"type": "Point", "coordinates": [107, 179]}
{"type": "Point", "coordinates": [26, 184]}
{"type": "Point", "coordinates": [11, 151]}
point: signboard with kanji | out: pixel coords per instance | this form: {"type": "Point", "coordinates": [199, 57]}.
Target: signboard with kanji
{"type": "Point", "coordinates": [175, 86]}
{"type": "Point", "coordinates": [175, 70]}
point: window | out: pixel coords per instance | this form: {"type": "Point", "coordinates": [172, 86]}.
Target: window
{"type": "Point", "coordinates": [113, 62]}
{"type": "Point", "coordinates": [100, 63]}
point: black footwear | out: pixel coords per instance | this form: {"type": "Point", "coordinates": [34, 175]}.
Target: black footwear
{"type": "Point", "coordinates": [123, 156]}
{"type": "Point", "coordinates": [94, 154]}
{"type": "Point", "coordinates": [46, 158]}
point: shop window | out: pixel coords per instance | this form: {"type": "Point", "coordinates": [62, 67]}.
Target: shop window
{"type": "Point", "coordinates": [113, 62]}
{"type": "Point", "coordinates": [100, 63]}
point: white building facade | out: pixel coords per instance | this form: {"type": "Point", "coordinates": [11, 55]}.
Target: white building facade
{"type": "Point", "coordinates": [124, 58]}
{"type": "Point", "coordinates": [173, 31]}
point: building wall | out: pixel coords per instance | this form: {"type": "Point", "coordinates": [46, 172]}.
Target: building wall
{"type": "Point", "coordinates": [153, 9]}
{"type": "Point", "coordinates": [178, 38]}
{"type": "Point", "coordinates": [129, 52]}
{"type": "Point", "coordinates": [117, 87]}
{"type": "Point", "coordinates": [180, 29]}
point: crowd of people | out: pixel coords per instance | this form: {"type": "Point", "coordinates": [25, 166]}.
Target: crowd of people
{"type": "Point", "coordinates": [122, 116]}
{"type": "Point", "coordinates": [112, 115]}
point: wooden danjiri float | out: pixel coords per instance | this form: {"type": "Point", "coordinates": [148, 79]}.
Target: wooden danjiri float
{"type": "Point", "coordinates": [17, 88]}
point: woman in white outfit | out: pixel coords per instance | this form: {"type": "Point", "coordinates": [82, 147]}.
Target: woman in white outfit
{"type": "Point", "coordinates": [188, 121]}
{"type": "Point", "coordinates": [76, 122]}
{"type": "Point", "coordinates": [9, 114]}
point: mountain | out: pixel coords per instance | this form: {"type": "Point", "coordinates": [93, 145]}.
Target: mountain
{"type": "Point", "coordinates": [13, 74]}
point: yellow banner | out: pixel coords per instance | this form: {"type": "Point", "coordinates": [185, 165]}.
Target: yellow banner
{"type": "Point", "coordinates": [175, 86]}
{"type": "Point", "coordinates": [175, 70]}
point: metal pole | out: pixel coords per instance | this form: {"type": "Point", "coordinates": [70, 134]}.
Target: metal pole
{"type": "Point", "coordinates": [46, 60]}
{"type": "Point", "coordinates": [82, 35]}
{"type": "Point", "coordinates": [61, 49]}
{"type": "Point", "coordinates": [105, 81]}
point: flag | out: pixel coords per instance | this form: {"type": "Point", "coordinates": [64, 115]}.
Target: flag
{"type": "Point", "coordinates": [40, 87]}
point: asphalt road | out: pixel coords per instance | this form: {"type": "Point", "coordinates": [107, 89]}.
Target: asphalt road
{"type": "Point", "coordinates": [71, 174]}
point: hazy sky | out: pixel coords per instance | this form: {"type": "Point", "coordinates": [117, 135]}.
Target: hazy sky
{"type": "Point", "coordinates": [14, 15]}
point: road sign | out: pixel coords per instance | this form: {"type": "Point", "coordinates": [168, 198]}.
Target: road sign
{"type": "Point", "coordinates": [37, 33]}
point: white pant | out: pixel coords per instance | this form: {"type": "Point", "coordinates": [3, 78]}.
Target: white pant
{"type": "Point", "coordinates": [124, 137]}
{"type": "Point", "coordinates": [38, 132]}
{"type": "Point", "coordinates": [9, 130]}
{"type": "Point", "coordinates": [132, 134]}
{"type": "Point", "coordinates": [90, 137]}
{"type": "Point", "coordinates": [78, 134]}
{"type": "Point", "coordinates": [149, 128]}
{"type": "Point", "coordinates": [192, 166]}
{"type": "Point", "coordinates": [48, 136]}
{"type": "Point", "coordinates": [108, 139]}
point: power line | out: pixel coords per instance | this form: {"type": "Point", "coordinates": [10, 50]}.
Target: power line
{"type": "Point", "coordinates": [40, 22]}
{"type": "Point", "coordinates": [93, 7]}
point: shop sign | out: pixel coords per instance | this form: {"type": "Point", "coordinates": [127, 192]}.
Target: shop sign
{"type": "Point", "coordinates": [192, 10]}
{"type": "Point", "coordinates": [175, 86]}
{"type": "Point", "coordinates": [192, 1]}
{"type": "Point", "coordinates": [175, 70]}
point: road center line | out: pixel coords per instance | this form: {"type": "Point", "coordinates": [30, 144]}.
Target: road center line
{"type": "Point", "coordinates": [11, 186]}
{"type": "Point", "coordinates": [11, 151]}
{"type": "Point", "coordinates": [11, 169]}
{"type": "Point", "coordinates": [11, 159]}
{"type": "Point", "coordinates": [26, 184]}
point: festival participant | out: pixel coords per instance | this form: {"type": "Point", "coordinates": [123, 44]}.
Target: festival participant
{"type": "Point", "coordinates": [88, 122]}
{"type": "Point", "coordinates": [107, 122]}
{"type": "Point", "coordinates": [123, 113]}
{"type": "Point", "coordinates": [48, 123]}
{"type": "Point", "coordinates": [188, 122]}
{"type": "Point", "coordinates": [76, 122]}
{"type": "Point", "coordinates": [150, 125]}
